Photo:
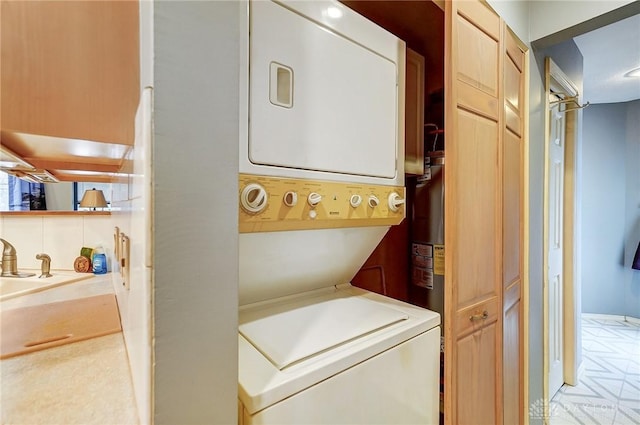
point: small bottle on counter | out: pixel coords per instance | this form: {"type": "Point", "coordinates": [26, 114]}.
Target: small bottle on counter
{"type": "Point", "coordinates": [99, 261]}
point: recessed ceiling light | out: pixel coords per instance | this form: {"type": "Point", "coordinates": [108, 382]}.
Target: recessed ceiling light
{"type": "Point", "coordinates": [633, 73]}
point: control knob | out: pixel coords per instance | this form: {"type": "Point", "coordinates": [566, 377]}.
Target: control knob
{"type": "Point", "coordinates": [253, 198]}
{"type": "Point", "coordinates": [355, 201]}
{"type": "Point", "coordinates": [395, 201]}
{"type": "Point", "coordinates": [290, 199]}
{"type": "Point", "coordinates": [373, 201]}
{"type": "Point", "coordinates": [314, 199]}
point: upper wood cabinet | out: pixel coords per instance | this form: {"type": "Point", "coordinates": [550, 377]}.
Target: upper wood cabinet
{"type": "Point", "coordinates": [70, 70]}
{"type": "Point", "coordinates": [414, 114]}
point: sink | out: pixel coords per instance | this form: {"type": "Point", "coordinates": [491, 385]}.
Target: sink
{"type": "Point", "coordinates": [11, 287]}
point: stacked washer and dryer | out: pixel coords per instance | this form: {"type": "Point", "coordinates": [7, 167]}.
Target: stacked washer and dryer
{"type": "Point", "coordinates": [321, 181]}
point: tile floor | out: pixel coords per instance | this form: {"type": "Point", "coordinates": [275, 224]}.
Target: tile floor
{"type": "Point", "coordinates": [609, 387]}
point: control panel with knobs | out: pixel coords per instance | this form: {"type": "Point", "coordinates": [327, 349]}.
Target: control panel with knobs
{"type": "Point", "coordinates": [314, 199]}
{"type": "Point", "coordinates": [274, 203]}
{"type": "Point", "coordinates": [355, 201]}
{"type": "Point", "coordinates": [253, 198]}
{"type": "Point", "coordinates": [395, 201]}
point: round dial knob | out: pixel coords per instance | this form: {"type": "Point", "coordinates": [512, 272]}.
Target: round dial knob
{"type": "Point", "coordinates": [355, 201]}
{"type": "Point", "coordinates": [314, 199]}
{"type": "Point", "coordinates": [253, 198]}
{"type": "Point", "coordinates": [395, 201]}
{"type": "Point", "coordinates": [373, 201]}
{"type": "Point", "coordinates": [290, 199]}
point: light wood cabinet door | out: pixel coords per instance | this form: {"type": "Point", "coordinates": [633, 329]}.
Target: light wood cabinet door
{"type": "Point", "coordinates": [514, 71]}
{"type": "Point", "coordinates": [70, 69]}
{"type": "Point", "coordinates": [476, 378]}
{"type": "Point", "coordinates": [473, 214]}
{"type": "Point", "coordinates": [414, 114]}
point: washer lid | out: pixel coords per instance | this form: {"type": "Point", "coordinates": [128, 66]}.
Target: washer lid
{"type": "Point", "coordinates": [290, 332]}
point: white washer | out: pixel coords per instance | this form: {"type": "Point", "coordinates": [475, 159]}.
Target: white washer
{"type": "Point", "coordinates": [338, 355]}
{"type": "Point", "coordinates": [321, 181]}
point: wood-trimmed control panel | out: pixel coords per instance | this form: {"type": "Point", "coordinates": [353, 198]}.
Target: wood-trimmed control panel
{"type": "Point", "coordinates": [269, 204]}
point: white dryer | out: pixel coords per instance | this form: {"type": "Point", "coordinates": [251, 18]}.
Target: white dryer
{"type": "Point", "coordinates": [322, 179]}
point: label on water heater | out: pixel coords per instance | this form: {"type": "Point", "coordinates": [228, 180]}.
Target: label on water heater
{"type": "Point", "coordinates": [422, 277]}
{"type": "Point", "coordinates": [424, 262]}
{"type": "Point", "coordinates": [422, 249]}
{"type": "Point", "coordinates": [422, 265]}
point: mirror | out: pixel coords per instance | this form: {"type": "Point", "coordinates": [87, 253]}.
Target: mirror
{"type": "Point", "coordinates": [57, 196]}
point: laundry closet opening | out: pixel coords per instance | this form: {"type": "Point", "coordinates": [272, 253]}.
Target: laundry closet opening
{"type": "Point", "coordinates": [420, 24]}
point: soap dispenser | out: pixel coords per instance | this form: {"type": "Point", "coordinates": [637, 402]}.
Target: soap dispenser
{"type": "Point", "coordinates": [99, 261]}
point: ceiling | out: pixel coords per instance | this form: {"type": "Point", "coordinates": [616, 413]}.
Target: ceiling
{"type": "Point", "coordinates": [609, 52]}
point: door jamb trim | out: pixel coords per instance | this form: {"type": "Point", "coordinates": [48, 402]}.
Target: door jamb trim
{"type": "Point", "coordinates": [555, 78]}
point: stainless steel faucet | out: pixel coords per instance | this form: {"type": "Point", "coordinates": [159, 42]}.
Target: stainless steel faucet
{"type": "Point", "coordinates": [10, 262]}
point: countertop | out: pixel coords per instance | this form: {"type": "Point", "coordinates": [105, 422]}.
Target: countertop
{"type": "Point", "coordinates": [87, 382]}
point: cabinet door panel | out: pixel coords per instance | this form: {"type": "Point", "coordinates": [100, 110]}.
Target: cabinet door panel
{"type": "Point", "coordinates": [476, 202]}
{"type": "Point", "coordinates": [474, 317]}
{"type": "Point", "coordinates": [476, 377]}
{"type": "Point", "coordinates": [70, 69]}
{"type": "Point", "coordinates": [481, 17]}
{"type": "Point", "coordinates": [477, 52]}
{"type": "Point", "coordinates": [512, 207]}
{"type": "Point", "coordinates": [478, 101]}
{"type": "Point", "coordinates": [512, 96]}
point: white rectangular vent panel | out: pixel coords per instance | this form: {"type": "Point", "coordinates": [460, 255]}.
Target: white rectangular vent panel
{"type": "Point", "coordinates": [286, 333]}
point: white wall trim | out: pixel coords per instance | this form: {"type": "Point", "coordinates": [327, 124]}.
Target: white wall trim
{"type": "Point", "coordinates": [556, 80]}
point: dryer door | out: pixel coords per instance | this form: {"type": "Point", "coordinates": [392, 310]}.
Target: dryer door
{"type": "Point", "coordinates": [318, 100]}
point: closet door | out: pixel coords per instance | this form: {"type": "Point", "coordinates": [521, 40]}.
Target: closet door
{"type": "Point", "coordinates": [514, 63]}
{"type": "Point", "coordinates": [473, 214]}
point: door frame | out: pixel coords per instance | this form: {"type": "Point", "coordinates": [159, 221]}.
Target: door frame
{"type": "Point", "coordinates": [557, 80]}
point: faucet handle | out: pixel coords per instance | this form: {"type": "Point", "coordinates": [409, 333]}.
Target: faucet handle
{"type": "Point", "coordinates": [45, 267]}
